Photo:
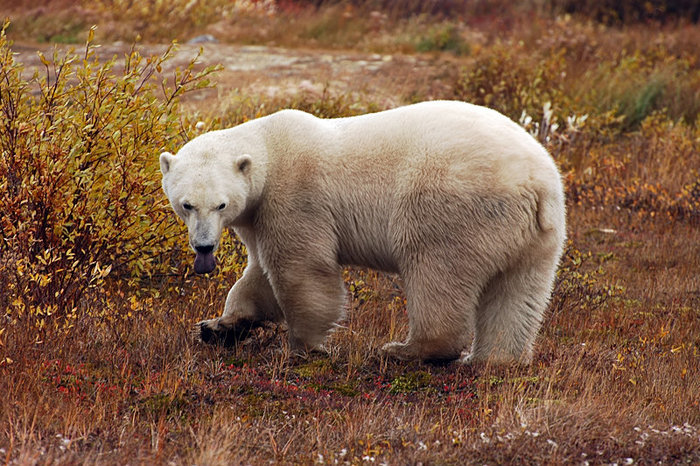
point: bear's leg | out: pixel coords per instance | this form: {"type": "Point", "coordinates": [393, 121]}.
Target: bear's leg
{"type": "Point", "coordinates": [249, 302]}
{"type": "Point", "coordinates": [511, 310]}
{"type": "Point", "coordinates": [440, 310]}
{"type": "Point", "coordinates": [313, 299]}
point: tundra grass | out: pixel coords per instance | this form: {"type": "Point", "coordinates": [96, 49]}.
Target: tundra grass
{"type": "Point", "coordinates": [118, 376]}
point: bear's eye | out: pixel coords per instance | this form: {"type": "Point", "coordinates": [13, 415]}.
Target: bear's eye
{"type": "Point", "coordinates": [187, 206]}
{"type": "Point", "coordinates": [222, 206]}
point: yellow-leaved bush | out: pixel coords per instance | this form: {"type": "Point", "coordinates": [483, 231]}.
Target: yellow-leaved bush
{"type": "Point", "coordinates": [79, 177]}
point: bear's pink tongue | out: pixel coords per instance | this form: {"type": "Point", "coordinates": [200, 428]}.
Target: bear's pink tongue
{"type": "Point", "coordinates": [204, 263]}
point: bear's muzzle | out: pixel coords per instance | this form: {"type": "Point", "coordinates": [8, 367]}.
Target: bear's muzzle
{"type": "Point", "coordinates": [204, 261]}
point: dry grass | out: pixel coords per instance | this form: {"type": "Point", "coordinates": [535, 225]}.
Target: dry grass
{"type": "Point", "coordinates": [616, 375]}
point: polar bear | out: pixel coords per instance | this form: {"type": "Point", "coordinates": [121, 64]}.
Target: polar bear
{"type": "Point", "coordinates": [457, 199]}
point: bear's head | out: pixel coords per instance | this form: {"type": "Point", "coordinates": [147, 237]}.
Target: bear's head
{"type": "Point", "coordinates": [208, 191]}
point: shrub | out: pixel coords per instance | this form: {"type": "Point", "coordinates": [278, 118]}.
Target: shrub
{"type": "Point", "coordinates": [508, 82]}
{"type": "Point", "coordinates": [79, 181]}
{"type": "Point", "coordinates": [580, 285]}
{"type": "Point", "coordinates": [628, 11]}
{"type": "Point", "coordinates": [637, 85]}
{"type": "Point", "coordinates": [240, 108]}
{"type": "Point", "coordinates": [182, 17]}
{"type": "Point", "coordinates": [443, 37]}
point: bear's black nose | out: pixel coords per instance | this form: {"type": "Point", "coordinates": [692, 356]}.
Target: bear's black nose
{"type": "Point", "coordinates": [204, 249]}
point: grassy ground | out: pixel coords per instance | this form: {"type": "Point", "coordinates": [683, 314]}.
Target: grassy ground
{"type": "Point", "coordinates": [114, 375]}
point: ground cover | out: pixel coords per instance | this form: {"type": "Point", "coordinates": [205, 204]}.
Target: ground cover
{"type": "Point", "coordinates": [98, 362]}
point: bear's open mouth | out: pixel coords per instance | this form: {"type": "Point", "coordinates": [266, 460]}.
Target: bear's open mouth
{"type": "Point", "coordinates": [204, 262]}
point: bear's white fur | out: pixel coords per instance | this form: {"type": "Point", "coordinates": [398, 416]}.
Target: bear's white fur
{"type": "Point", "coordinates": [460, 201]}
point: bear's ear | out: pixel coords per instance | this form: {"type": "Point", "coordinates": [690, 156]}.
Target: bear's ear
{"type": "Point", "coordinates": [166, 161]}
{"type": "Point", "coordinates": [243, 163]}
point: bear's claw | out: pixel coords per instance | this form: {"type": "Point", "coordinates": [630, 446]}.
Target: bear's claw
{"type": "Point", "coordinates": [225, 335]}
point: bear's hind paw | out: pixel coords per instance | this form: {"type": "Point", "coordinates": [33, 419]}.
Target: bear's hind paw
{"type": "Point", "coordinates": [467, 359]}
{"type": "Point", "coordinates": [433, 354]}
{"type": "Point", "coordinates": [398, 350]}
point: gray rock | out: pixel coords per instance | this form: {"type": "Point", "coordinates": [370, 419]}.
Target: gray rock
{"type": "Point", "coordinates": [203, 39]}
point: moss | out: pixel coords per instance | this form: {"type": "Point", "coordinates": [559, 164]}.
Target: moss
{"type": "Point", "coordinates": [411, 382]}
{"type": "Point", "coordinates": [163, 403]}
{"type": "Point", "coordinates": [314, 368]}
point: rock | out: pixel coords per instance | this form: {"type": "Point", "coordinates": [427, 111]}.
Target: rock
{"type": "Point", "coordinates": [203, 39]}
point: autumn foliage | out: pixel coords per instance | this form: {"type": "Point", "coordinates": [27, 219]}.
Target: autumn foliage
{"type": "Point", "coordinates": [80, 190]}
{"type": "Point", "coordinates": [98, 364]}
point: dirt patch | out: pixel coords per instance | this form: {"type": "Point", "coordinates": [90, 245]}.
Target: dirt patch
{"type": "Point", "coordinates": [387, 80]}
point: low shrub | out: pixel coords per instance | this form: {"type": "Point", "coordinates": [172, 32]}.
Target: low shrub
{"type": "Point", "coordinates": [239, 108]}
{"type": "Point", "coordinates": [443, 37]}
{"type": "Point", "coordinates": [628, 11]}
{"type": "Point", "coordinates": [512, 82]}
{"type": "Point", "coordinates": [79, 178]}
{"type": "Point", "coordinates": [636, 85]}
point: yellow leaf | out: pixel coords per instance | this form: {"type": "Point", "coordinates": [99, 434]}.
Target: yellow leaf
{"type": "Point", "coordinates": [43, 59]}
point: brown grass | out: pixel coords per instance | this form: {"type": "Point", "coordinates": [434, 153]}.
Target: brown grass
{"type": "Point", "coordinates": [616, 376]}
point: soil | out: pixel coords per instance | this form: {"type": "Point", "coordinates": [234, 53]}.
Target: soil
{"type": "Point", "coordinates": [387, 80]}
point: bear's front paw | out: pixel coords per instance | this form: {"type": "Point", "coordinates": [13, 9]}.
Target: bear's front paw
{"type": "Point", "coordinates": [467, 359]}
{"type": "Point", "coordinates": [398, 350]}
{"type": "Point", "coordinates": [216, 332]}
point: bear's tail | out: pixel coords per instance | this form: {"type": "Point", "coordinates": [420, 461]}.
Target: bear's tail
{"type": "Point", "coordinates": [550, 210]}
